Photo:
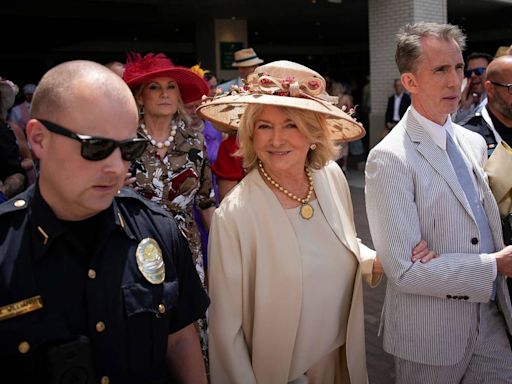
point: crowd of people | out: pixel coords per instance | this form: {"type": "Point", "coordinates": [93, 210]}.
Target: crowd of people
{"type": "Point", "coordinates": [218, 244]}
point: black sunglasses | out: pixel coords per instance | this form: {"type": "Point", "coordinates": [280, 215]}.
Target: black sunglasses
{"type": "Point", "coordinates": [99, 148]}
{"type": "Point", "coordinates": [508, 86]}
{"type": "Point", "coordinates": [477, 71]}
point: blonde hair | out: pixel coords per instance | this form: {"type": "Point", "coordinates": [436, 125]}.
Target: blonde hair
{"type": "Point", "coordinates": [311, 124]}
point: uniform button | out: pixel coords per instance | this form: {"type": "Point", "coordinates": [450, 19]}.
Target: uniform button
{"type": "Point", "coordinates": [161, 308]}
{"type": "Point", "coordinates": [24, 347]}
{"type": "Point", "coordinates": [100, 326]}
{"type": "Point", "coordinates": [20, 203]}
{"type": "Point", "coordinates": [474, 241]}
{"type": "Point", "coordinates": [448, 296]}
{"type": "Point", "coordinates": [91, 273]}
{"type": "Point", "coordinates": [105, 380]}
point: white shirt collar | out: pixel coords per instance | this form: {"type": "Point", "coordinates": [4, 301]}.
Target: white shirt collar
{"type": "Point", "coordinates": [435, 131]}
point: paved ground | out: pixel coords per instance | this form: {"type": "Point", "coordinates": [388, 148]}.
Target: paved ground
{"type": "Point", "coordinates": [380, 364]}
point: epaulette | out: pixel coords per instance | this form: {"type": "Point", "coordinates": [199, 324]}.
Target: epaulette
{"type": "Point", "coordinates": [129, 196]}
{"type": "Point", "coordinates": [17, 203]}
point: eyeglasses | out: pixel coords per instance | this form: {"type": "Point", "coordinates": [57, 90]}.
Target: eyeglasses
{"type": "Point", "coordinates": [477, 71]}
{"type": "Point", "coordinates": [508, 86]}
{"type": "Point", "coordinates": [99, 148]}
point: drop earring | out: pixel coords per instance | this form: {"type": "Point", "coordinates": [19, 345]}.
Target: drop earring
{"type": "Point", "coordinates": [141, 110]}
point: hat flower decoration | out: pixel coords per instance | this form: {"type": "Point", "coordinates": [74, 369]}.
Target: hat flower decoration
{"type": "Point", "coordinates": [281, 83]}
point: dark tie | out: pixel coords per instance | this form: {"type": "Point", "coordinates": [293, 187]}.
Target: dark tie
{"type": "Point", "coordinates": [467, 184]}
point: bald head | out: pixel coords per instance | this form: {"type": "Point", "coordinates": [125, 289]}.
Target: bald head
{"type": "Point", "coordinates": [497, 86]}
{"type": "Point", "coordinates": [88, 99]}
{"type": "Point", "coordinates": [79, 84]}
{"type": "Point", "coordinates": [500, 69]}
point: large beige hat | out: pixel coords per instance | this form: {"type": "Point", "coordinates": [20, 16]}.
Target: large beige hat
{"type": "Point", "coordinates": [286, 84]}
{"type": "Point", "coordinates": [246, 58]}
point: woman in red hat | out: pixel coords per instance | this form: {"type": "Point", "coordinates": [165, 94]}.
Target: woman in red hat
{"type": "Point", "coordinates": [174, 170]}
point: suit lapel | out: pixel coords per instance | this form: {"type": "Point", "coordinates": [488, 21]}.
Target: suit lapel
{"type": "Point", "coordinates": [334, 211]}
{"type": "Point", "coordinates": [437, 158]}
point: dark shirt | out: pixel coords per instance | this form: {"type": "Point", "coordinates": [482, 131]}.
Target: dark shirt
{"type": "Point", "coordinates": [478, 124]}
{"type": "Point", "coordinates": [10, 162]}
{"type": "Point", "coordinates": [504, 131]}
{"type": "Point", "coordinates": [90, 285]}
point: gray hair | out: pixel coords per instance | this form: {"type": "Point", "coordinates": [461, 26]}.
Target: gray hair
{"type": "Point", "coordinates": [408, 47]}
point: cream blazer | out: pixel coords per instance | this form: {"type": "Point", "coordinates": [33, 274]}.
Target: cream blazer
{"type": "Point", "coordinates": [255, 281]}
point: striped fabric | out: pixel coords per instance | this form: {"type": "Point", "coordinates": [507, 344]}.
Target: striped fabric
{"type": "Point", "coordinates": [412, 193]}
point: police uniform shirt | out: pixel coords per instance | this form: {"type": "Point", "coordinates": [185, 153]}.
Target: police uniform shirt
{"type": "Point", "coordinates": [57, 284]}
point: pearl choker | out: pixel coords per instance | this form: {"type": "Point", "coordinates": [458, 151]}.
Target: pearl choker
{"type": "Point", "coordinates": [306, 210]}
{"type": "Point", "coordinates": [167, 143]}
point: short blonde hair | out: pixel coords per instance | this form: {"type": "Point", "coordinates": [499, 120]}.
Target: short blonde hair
{"type": "Point", "coordinates": [311, 124]}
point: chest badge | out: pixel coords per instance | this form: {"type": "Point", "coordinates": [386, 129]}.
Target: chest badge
{"type": "Point", "coordinates": [150, 261]}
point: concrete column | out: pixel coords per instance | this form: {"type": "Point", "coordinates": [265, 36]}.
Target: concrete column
{"type": "Point", "coordinates": [385, 18]}
{"type": "Point", "coordinates": [228, 31]}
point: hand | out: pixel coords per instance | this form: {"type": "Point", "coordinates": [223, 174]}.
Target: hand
{"type": "Point", "coordinates": [466, 98]}
{"type": "Point", "coordinates": [422, 253]}
{"type": "Point", "coordinates": [504, 260]}
{"type": "Point", "coordinates": [129, 180]}
{"type": "Point", "coordinates": [377, 266]}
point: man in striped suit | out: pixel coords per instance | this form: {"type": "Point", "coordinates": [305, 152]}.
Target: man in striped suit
{"type": "Point", "coordinates": [444, 321]}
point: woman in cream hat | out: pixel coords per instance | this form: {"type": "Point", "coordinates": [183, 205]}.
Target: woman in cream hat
{"type": "Point", "coordinates": [286, 267]}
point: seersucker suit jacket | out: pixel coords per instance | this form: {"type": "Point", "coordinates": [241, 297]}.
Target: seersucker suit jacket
{"type": "Point", "coordinates": [412, 193]}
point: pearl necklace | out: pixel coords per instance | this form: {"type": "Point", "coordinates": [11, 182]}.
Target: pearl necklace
{"type": "Point", "coordinates": [167, 143]}
{"type": "Point", "coordinates": [306, 210]}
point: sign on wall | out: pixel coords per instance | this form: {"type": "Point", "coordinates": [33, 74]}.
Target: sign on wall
{"type": "Point", "coordinates": [227, 51]}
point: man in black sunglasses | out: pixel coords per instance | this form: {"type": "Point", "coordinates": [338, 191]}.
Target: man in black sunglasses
{"type": "Point", "coordinates": [473, 97]}
{"type": "Point", "coordinates": [494, 121]}
{"type": "Point", "coordinates": [96, 283]}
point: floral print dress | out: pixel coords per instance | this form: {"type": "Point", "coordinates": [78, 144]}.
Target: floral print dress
{"type": "Point", "coordinates": [177, 181]}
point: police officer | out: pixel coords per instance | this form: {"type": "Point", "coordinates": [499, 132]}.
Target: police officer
{"type": "Point", "coordinates": [97, 285]}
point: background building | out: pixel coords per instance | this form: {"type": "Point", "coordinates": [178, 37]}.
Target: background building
{"type": "Point", "coordinates": [344, 39]}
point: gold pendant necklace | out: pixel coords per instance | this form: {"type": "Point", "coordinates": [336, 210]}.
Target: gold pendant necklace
{"type": "Point", "coordinates": [306, 210]}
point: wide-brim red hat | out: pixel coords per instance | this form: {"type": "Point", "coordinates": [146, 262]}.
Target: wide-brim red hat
{"type": "Point", "coordinates": [140, 70]}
